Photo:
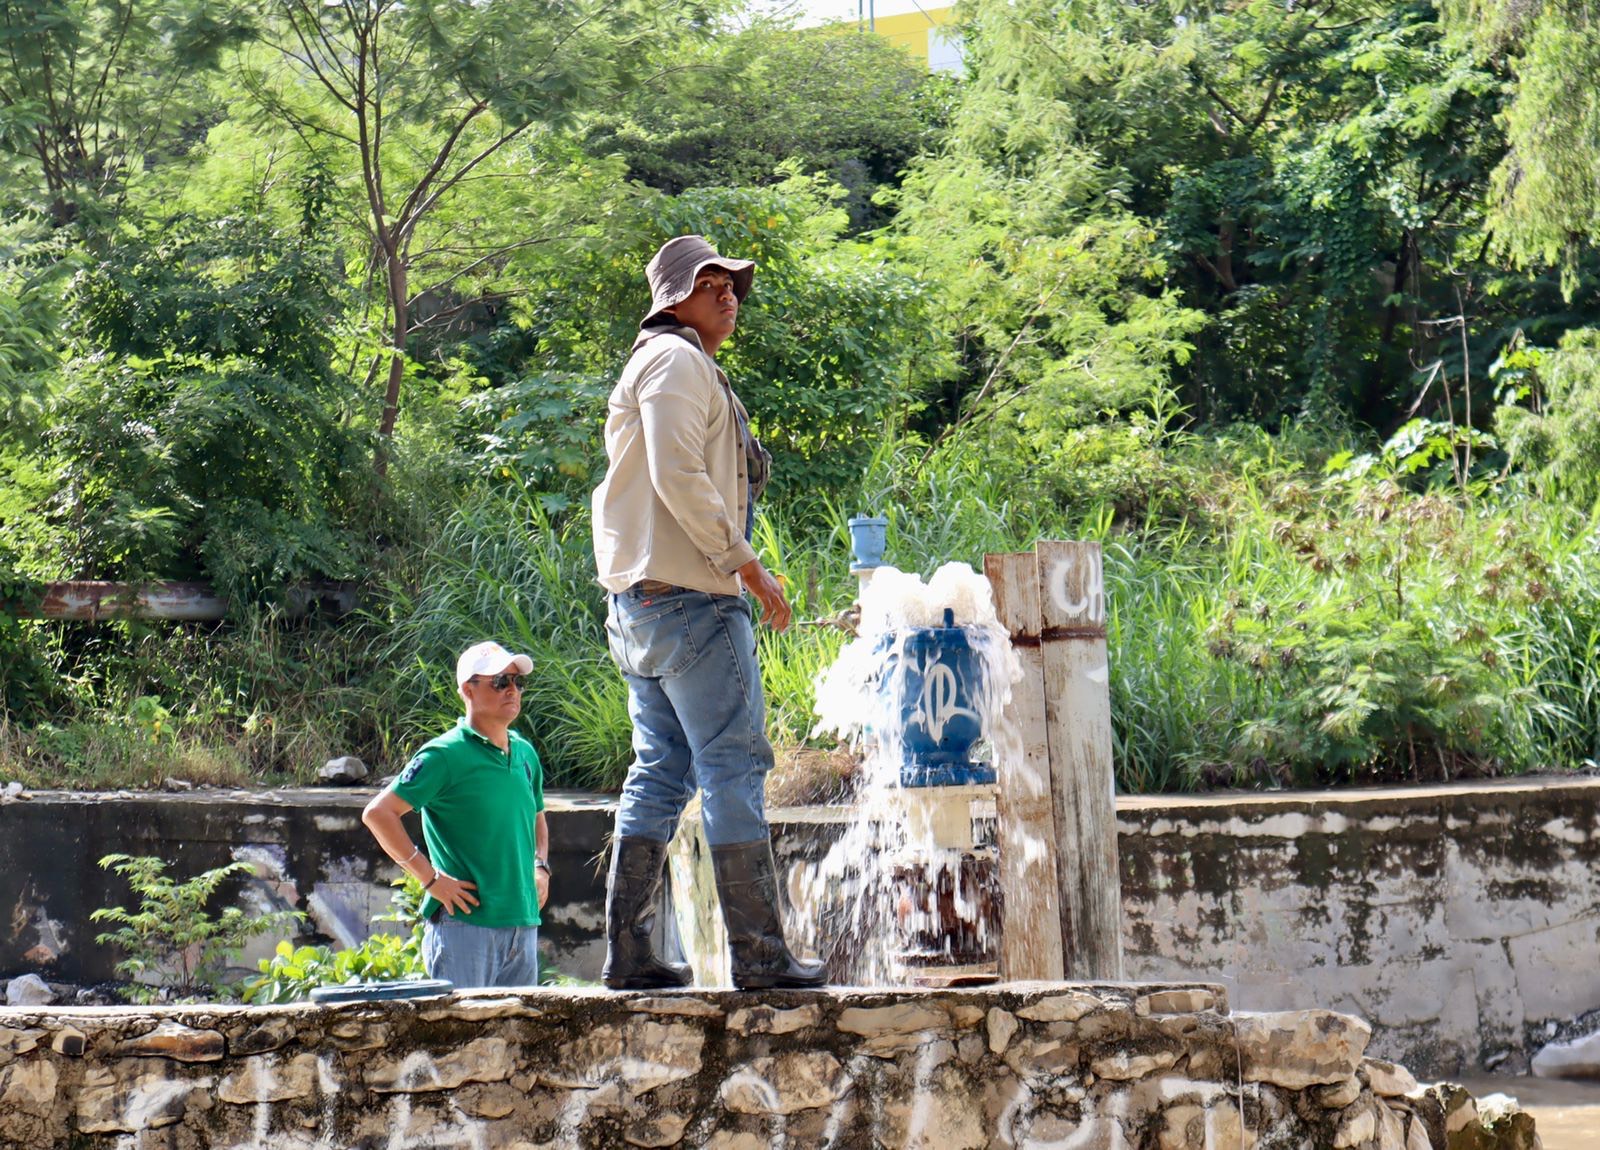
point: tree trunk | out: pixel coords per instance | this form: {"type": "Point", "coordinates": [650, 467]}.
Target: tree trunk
{"type": "Point", "coordinates": [397, 288]}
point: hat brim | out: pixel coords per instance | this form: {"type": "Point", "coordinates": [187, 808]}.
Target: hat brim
{"type": "Point", "coordinates": [522, 664]}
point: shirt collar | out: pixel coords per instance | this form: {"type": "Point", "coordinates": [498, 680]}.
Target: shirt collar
{"type": "Point", "coordinates": [473, 733]}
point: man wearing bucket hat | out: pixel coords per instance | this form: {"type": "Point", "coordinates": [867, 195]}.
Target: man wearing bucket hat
{"type": "Point", "coordinates": [672, 524]}
{"type": "Point", "coordinates": [486, 870]}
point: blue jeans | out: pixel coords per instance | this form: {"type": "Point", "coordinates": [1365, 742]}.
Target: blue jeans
{"type": "Point", "coordinates": [699, 718]}
{"type": "Point", "coordinates": [467, 955]}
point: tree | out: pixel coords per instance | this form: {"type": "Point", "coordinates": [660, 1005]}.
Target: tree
{"type": "Point", "coordinates": [824, 356]}
{"type": "Point", "coordinates": [429, 95]}
{"type": "Point", "coordinates": [33, 264]}
{"type": "Point", "coordinates": [1547, 185]}
{"type": "Point", "coordinates": [1057, 293]}
{"type": "Point", "coordinates": [199, 430]}
{"type": "Point", "coordinates": [1314, 177]}
{"type": "Point", "coordinates": [734, 111]}
{"type": "Point", "coordinates": [90, 89]}
{"type": "Point", "coordinates": [1335, 219]}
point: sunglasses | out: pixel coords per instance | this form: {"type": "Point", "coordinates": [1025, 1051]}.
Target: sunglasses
{"type": "Point", "coordinates": [503, 680]}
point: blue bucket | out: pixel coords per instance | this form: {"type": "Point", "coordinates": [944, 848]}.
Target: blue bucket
{"type": "Point", "coordinates": [928, 684]}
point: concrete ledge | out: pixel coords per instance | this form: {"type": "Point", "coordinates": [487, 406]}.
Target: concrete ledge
{"type": "Point", "coordinates": [1461, 918]}
{"type": "Point", "coordinates": [1113, 1066]}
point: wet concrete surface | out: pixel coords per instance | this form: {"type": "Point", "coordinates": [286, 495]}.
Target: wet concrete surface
{"type": "Point", "coordinates": [1566, 1112]}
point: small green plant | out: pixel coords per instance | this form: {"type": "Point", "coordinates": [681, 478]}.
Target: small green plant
{"type": "Point", "coordinates": [172, 940]}
{"type": "Point", "coordinates": [292, 973]}
{"type": "Point", "coordinates": [151, 719]}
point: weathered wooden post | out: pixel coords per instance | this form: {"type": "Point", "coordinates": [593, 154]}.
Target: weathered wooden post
{"type": "Point", "coordinates": [1056, 801]}
{"type": "Point", "coordinates": [1077, 700]}
{"type": "Point", "coordinates": [1030, 940]}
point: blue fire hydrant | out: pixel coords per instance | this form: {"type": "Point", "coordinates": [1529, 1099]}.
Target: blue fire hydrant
{"type": "Point", "coordinates": [928, 688]}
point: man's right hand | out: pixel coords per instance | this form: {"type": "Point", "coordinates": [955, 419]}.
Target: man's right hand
{"type": "Point", "coordinates": [775, 609]}
{"type": "Point", "coordinates": [455, 894]}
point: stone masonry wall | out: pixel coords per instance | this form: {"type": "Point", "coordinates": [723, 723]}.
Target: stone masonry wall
{"type": "Point", "coordinates": [1116, 1067]}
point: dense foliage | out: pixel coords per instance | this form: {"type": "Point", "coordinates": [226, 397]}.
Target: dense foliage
{"type": "Point", "coordinates": [1293, 307]}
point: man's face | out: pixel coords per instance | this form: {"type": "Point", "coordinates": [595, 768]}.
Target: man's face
{"type": "Point", "coordinates": [712, 308]}
{"type": "Point", "coordinates": [489, 702]}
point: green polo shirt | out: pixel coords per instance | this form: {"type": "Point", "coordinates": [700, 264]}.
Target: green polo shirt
{"type": "Point", "coordinates": [478, 806]}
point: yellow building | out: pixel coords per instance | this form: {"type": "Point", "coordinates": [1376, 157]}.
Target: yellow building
{"type": "Point", "coordinates": [922, 31]}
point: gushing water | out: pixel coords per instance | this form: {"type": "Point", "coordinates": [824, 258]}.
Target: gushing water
{"type": "Point", "coordinates": [908, 884]}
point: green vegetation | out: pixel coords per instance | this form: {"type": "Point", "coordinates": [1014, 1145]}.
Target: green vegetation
{"type": "Point", "coordinates": [293, 972]}
{"type": "Point", "coordinates": [1292, 307]}
{"type": "Point", "coordinates": [173, 942]}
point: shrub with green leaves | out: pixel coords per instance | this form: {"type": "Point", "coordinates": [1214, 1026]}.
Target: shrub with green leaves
{"type": "Point", "coordinates": [823, 358]}
{"type": "Point", "coordinates": [200, 429]}
{"type": "Point", "coordinates": [1557, 435]}
{"type": "Point", "coordinates": [1353, 630]}
{"type": "Point", "coordinates": [292, 973]}
{"type": "Point", "coordinates": [173, 941]}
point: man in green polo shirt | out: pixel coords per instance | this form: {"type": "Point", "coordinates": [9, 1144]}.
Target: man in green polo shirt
{"type": "Point", "coordinates": [486, 869]}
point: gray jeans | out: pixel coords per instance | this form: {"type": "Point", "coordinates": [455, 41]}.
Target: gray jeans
{"type": "Point", "coordinates": [467, 955]}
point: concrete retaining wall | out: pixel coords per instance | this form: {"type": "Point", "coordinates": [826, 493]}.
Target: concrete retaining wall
{"type": "Point", "coordinates": [1462, 921]}
{"type": "Point", "coordinates": [1109, 1067]}
{"type": "Point", "coordinates": [311, 851]}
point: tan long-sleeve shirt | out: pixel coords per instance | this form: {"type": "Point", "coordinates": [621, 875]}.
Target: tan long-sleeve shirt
{"type": "Point", "coordinates": [673, 503]}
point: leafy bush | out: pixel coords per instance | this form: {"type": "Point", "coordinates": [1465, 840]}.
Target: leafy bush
{"type": "Point", "coordinates": [1352, 631]}
{"type": "Point", "coordinates": [172, 940]}
{"type": "Point", "coordinates": [823, 358]}
{"type": "Point", "coordinates": [200, 429]}
{"type": "Point", "coordinates": [292, 973]}
{"type": "Point", "coordinates": [1557, 436]}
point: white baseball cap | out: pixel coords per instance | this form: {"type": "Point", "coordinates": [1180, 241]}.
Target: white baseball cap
{"type": "Point", "coordinates": [489, 658]}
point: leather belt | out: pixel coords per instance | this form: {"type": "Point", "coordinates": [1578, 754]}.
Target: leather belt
{"type": "Point", "coordinates": [654, 587]}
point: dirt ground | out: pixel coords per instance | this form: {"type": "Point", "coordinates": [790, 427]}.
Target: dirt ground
{"type": "Point", "coordinates": [1566, 1113]}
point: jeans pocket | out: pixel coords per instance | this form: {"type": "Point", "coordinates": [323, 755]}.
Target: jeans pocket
{"type": "Point", "coordinates": [655, 641]}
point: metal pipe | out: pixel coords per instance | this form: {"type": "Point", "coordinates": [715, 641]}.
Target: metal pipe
{"type": "Point", "coordinates": [93, 600]}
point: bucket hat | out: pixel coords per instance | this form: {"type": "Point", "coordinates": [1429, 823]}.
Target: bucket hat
{"type": "Point", "coordinates": [672, 270]}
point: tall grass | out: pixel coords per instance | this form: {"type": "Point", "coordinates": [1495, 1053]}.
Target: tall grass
{"type": "Point", "coordinates": [1285, 629]}
{"type": "Point", "coordinates": [1345, 634]}
{"type": "Point", "coordinates": [254, 699]}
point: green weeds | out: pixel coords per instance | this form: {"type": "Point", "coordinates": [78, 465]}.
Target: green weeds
{"type": "Point", "coordinates": [172, 941]}
{"type": "Point", "coordinates": [1296, 624]}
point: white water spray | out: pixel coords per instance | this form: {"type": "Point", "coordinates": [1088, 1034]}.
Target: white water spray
{"type": "Point", "coordinates": [908, 884]}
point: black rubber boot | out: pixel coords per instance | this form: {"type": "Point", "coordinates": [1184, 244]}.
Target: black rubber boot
{"type": "Point", "coordinates": [633, 890]}
{"type": "Point", "coordinates": [747, 884]}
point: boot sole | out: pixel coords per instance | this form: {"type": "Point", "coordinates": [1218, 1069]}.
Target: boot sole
{"type": "Point", "coordinates": [643, 984]}
{"type": "Point", "coordinates": [780, 984]}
